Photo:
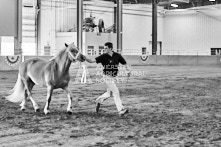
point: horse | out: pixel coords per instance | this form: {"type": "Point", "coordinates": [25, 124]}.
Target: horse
{"type": "Point", "coordinates": [53, 74]}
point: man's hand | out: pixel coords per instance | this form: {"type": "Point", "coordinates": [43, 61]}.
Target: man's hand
{"type": "Point", "coordinates": [128, 70]}
{"type": "Point", "coordinates": [128, 73]}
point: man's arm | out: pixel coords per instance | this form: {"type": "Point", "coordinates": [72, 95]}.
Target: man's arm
{"type": "Point", "coordinates": [90, 60]}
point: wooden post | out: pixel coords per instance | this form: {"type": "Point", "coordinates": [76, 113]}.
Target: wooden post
{"type": "Point", "coordinates": [79, 24]}
{"type": "Point", "coordinates": [18, 37]}
{"type": "Point", "coordinates": [154, 27]}
{"type": "Point", "coordinates": [38, 40]}
{"type": "Point", "coordinates": [119, 25]}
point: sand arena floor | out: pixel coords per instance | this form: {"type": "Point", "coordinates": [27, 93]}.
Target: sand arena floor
{"type": "Point", "coordinates": [170, 106]}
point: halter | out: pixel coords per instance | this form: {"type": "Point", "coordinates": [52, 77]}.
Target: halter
{"type": "Point", "coordinates": [84, 75]}
{"type": "Point", "coordinates": [74, 57]}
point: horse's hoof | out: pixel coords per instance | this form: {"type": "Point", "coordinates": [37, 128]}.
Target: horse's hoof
{"type": "Point", "coordinates": [37, 110]}
{"type": "Point", "coordinates": [22, 109]}
{"type": "Point", "coordinates": [69, 112]}
{"type": "Point", "coordinates": [46, 112]}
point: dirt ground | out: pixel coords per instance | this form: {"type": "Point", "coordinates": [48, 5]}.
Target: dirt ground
{"type": "Point", "coordinates": [169, 106]}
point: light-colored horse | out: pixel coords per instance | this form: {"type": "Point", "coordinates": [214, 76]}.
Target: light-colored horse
{"type": "Point", "coordinates": [53, 74]}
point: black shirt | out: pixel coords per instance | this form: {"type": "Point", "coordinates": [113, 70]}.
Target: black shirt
{"type": "Point", "coordinates": [110, 63]}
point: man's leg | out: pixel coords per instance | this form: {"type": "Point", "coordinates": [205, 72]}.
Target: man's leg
{"type": "Point", "coordinates": [116, 94]}
{"type": "Point", "coordinates": [102, 98]}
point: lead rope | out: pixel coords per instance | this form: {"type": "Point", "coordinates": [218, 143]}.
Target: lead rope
{"type": "Point", "coordinates": [127, 80]}
{"type": "Point", "coordinates": [84, 74]}
{"type": "Point", "coordinates": [127, 83]}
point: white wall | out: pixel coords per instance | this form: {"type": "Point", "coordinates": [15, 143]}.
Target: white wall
{"type": "Point", "coordinates": [48, 26]}
{"type": "Point", "coordinates": [64, 37]}
{"type": "Point", "coordinates": [8, 17]}
{"type": "Point", "coordinates": [137, 29]}
{"type": "Point", "coordinates": [7, 46]}
{"type": "Point", "coordinates": [89, 39]}
{"type": "Point", "coordinates": [65, 14]}
{"type": "Point", "coordinates": [190, 33]}
{"type": "Point", "coordinates": [137, 24]}
{"type": "Point", "coordinates": [96, 40]}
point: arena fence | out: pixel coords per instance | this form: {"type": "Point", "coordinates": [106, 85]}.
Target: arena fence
{"type": "Point", "coordinates": [12, 62]}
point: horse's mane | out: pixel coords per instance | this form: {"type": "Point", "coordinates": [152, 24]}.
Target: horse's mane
{"type": "Point", "coordinates": [61, 52]}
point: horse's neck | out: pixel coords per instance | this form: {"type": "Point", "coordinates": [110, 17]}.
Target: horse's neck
{"type": "Point", "coordinates": [63, 63]}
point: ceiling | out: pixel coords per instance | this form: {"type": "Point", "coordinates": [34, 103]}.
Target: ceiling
{"type": "Point", "coordinates": [167, 3]}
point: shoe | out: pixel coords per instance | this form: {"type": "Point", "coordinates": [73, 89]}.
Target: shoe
{"type": "Point", "coordinates": [97, 107]}
{"type": "Point", "coordinates": [123, 112]}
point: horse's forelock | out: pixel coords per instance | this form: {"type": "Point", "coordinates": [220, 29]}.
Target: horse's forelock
{"type": "Point", "coordinates": [72, 46]}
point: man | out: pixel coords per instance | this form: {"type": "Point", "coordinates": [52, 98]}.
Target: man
{"type": "Point", "coordinates": [110, 61]}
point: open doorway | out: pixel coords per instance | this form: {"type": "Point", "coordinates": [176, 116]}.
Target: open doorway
{"type": "Point", "coordinates": [159, 48]}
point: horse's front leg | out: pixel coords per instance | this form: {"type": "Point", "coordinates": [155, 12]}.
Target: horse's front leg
{"type": "Point", "coordinates": [48, 99]}
{"type": "Point", "coordinates": [69, 108]}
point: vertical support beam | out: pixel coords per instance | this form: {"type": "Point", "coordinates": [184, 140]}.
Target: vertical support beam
{"type": "Point", "coordinates": [0, 46]}
{"type": "Point", "coordinates": [79, 24]}
{"type": "Point", "coordinates": [154, 27]}
{"type": "Point", "coordinates": [119, 25]}
{"type": "Point", "coordinates": [115, 19]}
{"type": "Point", "coordinates": [18, 37]}
{"type": "Point", "coordinates": [38, 22]}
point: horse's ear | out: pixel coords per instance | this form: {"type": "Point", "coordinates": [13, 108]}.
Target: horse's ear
{"type": "Point", "coordinates": [66, 44]}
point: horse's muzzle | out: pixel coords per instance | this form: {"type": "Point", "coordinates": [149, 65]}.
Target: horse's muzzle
{"type": "Point", "coordinates": [83, 58]}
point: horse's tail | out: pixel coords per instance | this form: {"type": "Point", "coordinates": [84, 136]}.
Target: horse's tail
{"type": "Point", "coordinates": [18, 92]}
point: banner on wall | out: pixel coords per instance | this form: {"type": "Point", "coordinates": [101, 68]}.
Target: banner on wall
{"type": "Point", "coordinates": [144, 58]}
{"type": "Point", "coordinates": [13, 60]}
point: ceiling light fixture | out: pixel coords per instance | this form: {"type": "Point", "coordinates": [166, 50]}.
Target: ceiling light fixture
{"type": "Point", "coordinates": [174, 5]}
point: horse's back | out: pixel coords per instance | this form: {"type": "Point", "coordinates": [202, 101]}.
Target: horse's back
{"type": "Point", "coordinates": [32, 63]}
{"type": "Point", "coordinates": [33, 68]}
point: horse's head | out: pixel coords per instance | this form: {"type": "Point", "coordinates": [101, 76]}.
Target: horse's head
{"type": "Point", "coordinates": [74, 53]}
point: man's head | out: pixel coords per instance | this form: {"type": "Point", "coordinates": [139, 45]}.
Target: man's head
{"type": "Point", "coordinates": [108, 47]}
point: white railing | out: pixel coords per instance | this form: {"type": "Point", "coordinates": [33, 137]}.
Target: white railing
{"type": "Point", "coordinates": [194, 53]}
{"type": "Point", "coordinates": [168, 52]}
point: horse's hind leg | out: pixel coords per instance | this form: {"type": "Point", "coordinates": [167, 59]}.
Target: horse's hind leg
{"type": "Point", "coordinates": [23, 103]}
{"type": "Point", "coordinates": [29, 84]}
{"type": "Point", "coordinates": [69, 108]}
{"type": "Point", "coordinates": [35, 105]}
{"type": "Point", "coordinates": [49, 93]}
